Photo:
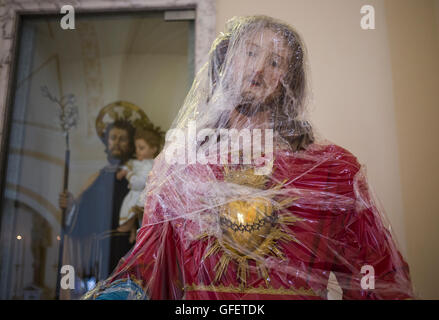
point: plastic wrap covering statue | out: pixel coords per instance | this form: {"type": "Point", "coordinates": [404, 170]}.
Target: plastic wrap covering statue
{"type": "Point", "coordinates": [246, 201]}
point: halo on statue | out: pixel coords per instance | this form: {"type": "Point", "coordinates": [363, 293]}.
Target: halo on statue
{"type": "Point", "coordinates": [121, 111]}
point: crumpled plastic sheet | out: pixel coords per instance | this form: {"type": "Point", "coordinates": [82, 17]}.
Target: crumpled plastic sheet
{"type": "Point", "coordinates": [270, 217]}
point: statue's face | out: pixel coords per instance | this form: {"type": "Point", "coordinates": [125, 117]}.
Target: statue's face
{"type": "Point", "coordinates": [144, 150]}
{"type": "Point", "coordinates": [118, 143]}
{"type": "Point", "coordinates": [260, 65]}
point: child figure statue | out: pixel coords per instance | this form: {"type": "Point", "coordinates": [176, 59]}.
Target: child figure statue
{"type": "Point", "coordinates": [136, 172]}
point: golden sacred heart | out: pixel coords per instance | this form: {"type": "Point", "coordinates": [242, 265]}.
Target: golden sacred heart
{"type": "Point", "coordinates": [246, 224]}
{"type": "Point", "coordinates": [250, 228]}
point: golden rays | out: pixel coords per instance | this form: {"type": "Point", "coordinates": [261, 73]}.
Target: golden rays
{"type": "Point", "coordinates": [251, 229]}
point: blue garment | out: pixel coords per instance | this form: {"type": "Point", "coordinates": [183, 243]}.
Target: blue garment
{"type": "Point", "coordinates": [97, 249]}
{"type": "Point", "coordinates": [124, 289]}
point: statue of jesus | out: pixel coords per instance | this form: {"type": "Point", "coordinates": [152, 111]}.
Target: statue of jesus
{"type": "Point", "coordinates": [220, 228]}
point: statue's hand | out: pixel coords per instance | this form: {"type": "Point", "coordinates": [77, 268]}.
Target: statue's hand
{"type": "Point", "coordinates": [121, 174]}
{"type": "Point", "coordinates": [65, 200]}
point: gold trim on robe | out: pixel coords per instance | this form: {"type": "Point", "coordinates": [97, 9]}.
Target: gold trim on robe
{"type": "Point", "coordinates": [252, 290]}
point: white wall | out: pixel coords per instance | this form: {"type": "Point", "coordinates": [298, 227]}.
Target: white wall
{"type": "Point", "coordinates": [414, 46]}
{"type": "Point", "coordinates": [360, 102]}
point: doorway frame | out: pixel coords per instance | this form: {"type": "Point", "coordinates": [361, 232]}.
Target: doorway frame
{"type": "Point", "coordinates": [11, 16]}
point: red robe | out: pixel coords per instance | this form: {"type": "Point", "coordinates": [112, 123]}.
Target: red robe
{"type": "Point", "coordinates": [338, 229]}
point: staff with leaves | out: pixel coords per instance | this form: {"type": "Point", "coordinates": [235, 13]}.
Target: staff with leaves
{"type": "Point", "coordinates": [67, 113]}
